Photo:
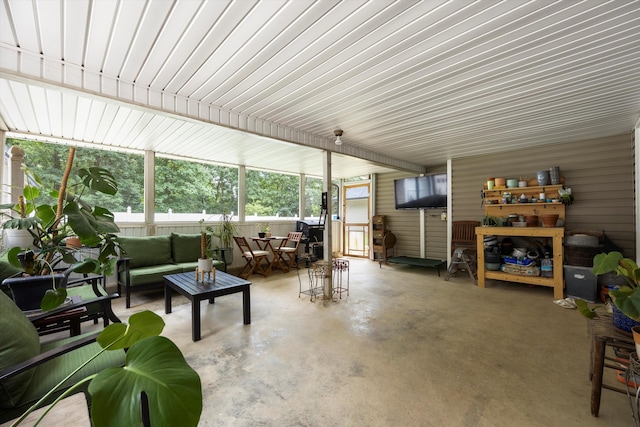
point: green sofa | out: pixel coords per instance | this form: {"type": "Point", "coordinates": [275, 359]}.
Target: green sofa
{"type": "Point", "coordinates": [28, 370]}
{"type": "Point", "coordinates": [145, 260]}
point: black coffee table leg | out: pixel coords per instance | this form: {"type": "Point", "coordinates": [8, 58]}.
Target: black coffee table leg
{"type": "Point", "coordinates": [246, 306]}
{"type": "Point", "coordinates": [195, 320]}
{"type": "Point", "coordinates": [167, 299]}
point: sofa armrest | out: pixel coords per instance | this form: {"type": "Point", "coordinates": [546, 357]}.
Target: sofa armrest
{"type": "Point", "coordinates": [47, 355]}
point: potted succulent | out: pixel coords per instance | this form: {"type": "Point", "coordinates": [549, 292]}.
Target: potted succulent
{"type": "Point", "coordinates": [50, 226]}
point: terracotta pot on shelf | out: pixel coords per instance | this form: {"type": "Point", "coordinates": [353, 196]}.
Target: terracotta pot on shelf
{"type": "Point", "coordinates": [532, 220]}
{"type": "Point", "coordinates": [549, 220]}
{"type": "Point", "coordinates": [501, 182]}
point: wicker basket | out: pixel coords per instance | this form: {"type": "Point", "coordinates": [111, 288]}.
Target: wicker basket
{"type": "Point", "coordinates": [581, 256]}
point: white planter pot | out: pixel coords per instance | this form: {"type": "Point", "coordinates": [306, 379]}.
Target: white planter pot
{"type": "Point", "coordinates": [205, 264]}
{"type": "Point", "coordinates": [17, 237]}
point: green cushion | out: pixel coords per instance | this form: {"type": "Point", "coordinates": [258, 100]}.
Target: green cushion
{"type": "Point", "coordinates": [19, 342]}
{"type": "Point", "coordinates": [146, 251]}
{"type": "Point", "coordinates": [87, 294]}
{"type": "Point", "coordinates": [185, 247]}
{"type": "Point", "coordinates": [149, 275]}
{"type": "Point", "coordinates": [50, 373]}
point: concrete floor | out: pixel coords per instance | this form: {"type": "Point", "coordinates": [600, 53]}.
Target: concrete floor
{"type": "Point", "coordinates": [406, 348]}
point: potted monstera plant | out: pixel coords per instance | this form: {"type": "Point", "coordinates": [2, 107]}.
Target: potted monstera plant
{"type": "Point", "coordinates": [50, 226]}
{"type": "Point", "coordinates": [156, 376]}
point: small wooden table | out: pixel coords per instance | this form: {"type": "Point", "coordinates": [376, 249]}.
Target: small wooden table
{"type": "Point", "coordinates": [187, 285]}
{"type": "Point", "coordinates": [69, 319]}
{"type": "Point", "coordinates": [264, 244]}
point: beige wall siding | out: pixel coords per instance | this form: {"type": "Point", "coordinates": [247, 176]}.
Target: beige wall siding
{"type": "Point", "coordinates": [403, 223]}
{"type": "Point", "coordinates": [600, 173]}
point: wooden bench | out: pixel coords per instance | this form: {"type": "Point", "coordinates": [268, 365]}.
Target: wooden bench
{"type": "Point", "coordinates": [420, 262]}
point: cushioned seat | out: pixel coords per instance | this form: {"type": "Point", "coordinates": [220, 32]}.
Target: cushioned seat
{"type": "Point", "coordinates": [145, 260]}
{"type": "Point", "coordinates": [21, 344]}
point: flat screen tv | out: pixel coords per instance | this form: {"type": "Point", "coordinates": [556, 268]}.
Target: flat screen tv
{"type": "Point", "coordinates": [421, 192]}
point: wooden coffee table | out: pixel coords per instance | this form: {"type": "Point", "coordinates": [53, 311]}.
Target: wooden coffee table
{"type": "Point", "coordinates": [187, 285]}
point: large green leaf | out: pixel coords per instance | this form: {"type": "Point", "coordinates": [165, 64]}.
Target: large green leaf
{"type": "Point", "coordinates": [141, 325]}
{"type": "Point", "coordinates": [53, 298]}
{"type": "Point", "coordinates": [585, 310]}
{"type": "Point", "coordinates": [627, 299]}
{"type": "Point", "coordinates": [156, 367]}
{"type": "Point", "coordinates": [46, 214]}
{"type": "Point", "coordinates": [605, 263]}
{"type": "Point", "coordinates": [99, 179]}
{"type": "Point", "coordinates": [21, 223]}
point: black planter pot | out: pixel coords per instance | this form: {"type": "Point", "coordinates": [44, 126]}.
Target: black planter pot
{"type": "Point", "coordinates": [27, 292]}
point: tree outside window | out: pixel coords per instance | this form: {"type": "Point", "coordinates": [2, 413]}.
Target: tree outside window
{"type": "Point", "coordinates": [271, 195]}
{"type": "Point", "coordinates": [184, 187]}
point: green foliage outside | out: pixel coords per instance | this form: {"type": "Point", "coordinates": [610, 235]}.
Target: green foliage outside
{"type": "Point", "coordinates": [189, 187]}
{"type": "Point", "coordinates": [48, 160]}
{"type": "Point", "coordinates": [180, 185]}
{"type": "Point", "coordinates": [271, 194]}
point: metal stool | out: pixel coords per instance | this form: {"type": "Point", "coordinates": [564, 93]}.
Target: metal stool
{"type": "Point", "coordinates": [462, 260]}
{"type": "Point", "coordinates": [339, 267]}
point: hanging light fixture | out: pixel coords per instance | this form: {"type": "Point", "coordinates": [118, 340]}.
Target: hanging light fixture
{"type": "Point", "coordinates": [338, 134]}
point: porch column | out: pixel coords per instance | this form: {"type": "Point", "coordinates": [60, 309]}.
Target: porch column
{"type": "Point", "coordinates": [150, 192]}
{"type": "Point", "coordinates": [16, 176]}
{"type": "Point", "coordinates": [328, 256]}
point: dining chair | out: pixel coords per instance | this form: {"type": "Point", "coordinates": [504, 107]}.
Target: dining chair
{"type": "Point", "coordinates": [287, 253]}
{"type": "Point", "coordinates": [463, 236]}
{"type": "Point", "coordinates": [254, 258]}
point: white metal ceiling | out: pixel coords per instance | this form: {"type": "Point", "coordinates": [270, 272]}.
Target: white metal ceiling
{"type": "Point", "coordinates": [411, 83]}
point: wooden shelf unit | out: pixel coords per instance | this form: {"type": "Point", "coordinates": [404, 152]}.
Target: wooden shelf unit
{"type": "Point", "coordinates": [378, 230]}
{"type": "Point", "coordinates": [538, 208]}
{"type": "Point", "coordinates": [555, 233]}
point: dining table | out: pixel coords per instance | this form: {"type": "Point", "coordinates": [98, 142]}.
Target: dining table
{"type": "Point", "coordinates": [265, 244]}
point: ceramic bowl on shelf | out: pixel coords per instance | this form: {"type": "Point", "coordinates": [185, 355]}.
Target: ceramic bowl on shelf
{"type": "Point", "coordinates": [519, 223]}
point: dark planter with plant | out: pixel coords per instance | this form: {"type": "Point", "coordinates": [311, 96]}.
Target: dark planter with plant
{"type": "Point", "coordinates": [627, 298]}
{"type": "Point", "coordinates": [224, 232]}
